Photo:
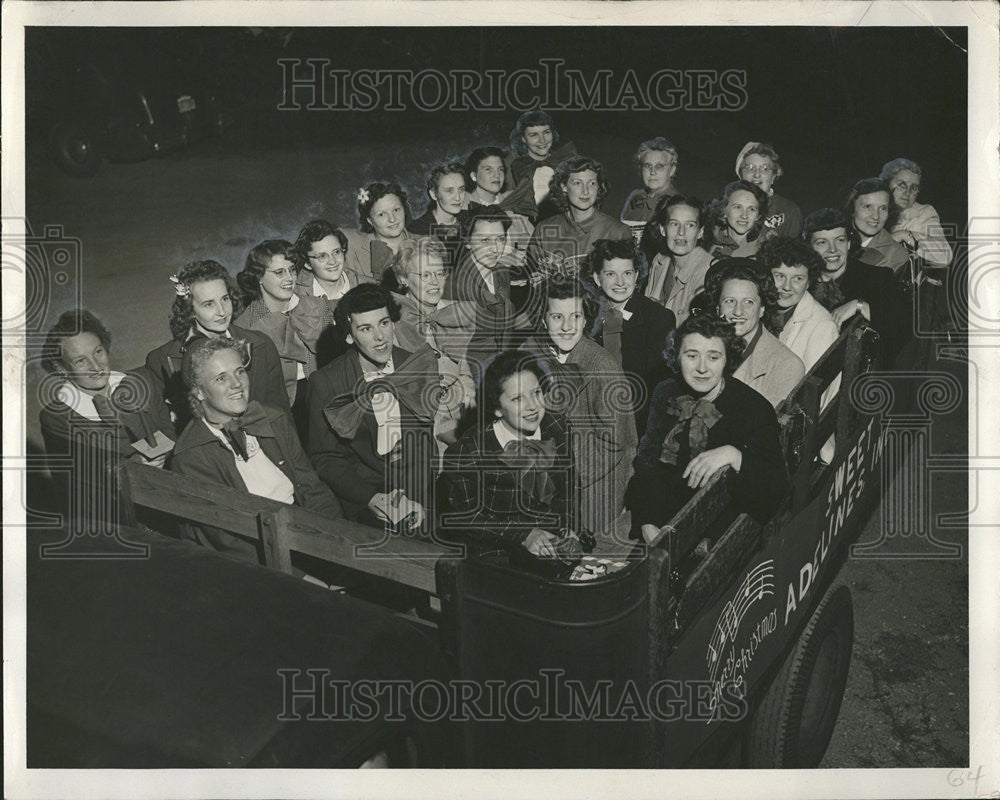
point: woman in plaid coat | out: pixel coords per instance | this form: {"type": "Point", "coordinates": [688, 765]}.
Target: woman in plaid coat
{"type": "Point", "coordinates": [509, 480]}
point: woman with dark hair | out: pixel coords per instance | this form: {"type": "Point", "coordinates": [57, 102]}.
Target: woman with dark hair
{"type": "Point", "coordinates": [590, 388]}
{"type": "Point", "coordinates": [739, 220]}
{"type": "Point", "coordinates": [446, 190]}
{"type": "Point", "coordinates": [294, 323]}
{"type": "Point", "coordinates": [758, 163]}
{"type": "Point", "coordinates": [631, 327]}
{"type": "Point", "coordinates": [321, 260]}
{"type": "Point", "coordinates": [676, 237]}
{"type": "Point", "coordinates": [918, 226]}
{"type": "Point", "coordinates": [561, 243]}
{"type": "Point", "coordinates": [700, 422]}
{"type": "Point", "coordinates": [485, 171]}
{"type": "Point", "coordinates": [805, 327]}
{"type": "Point", "coordinates": [873, 214]}
{"type": "Point", "coordinates": [416, 277]}
{"type": "Point", "coordinates": [486, 174]}
{"type": "Point", "coordinates": [509, 481]}
{"type": "Point", "coordinates": [657, 163]}
{"type": "Point", "coordinates": [206, 300]}
{"type": "Point", "coordinates": [742, 294]}
{"type": "Point", "coordinates": [238, 442]}
{"type": "Point", "coordinates": [534, 154]}
{"type": "Point", "coordinates": [88, 391]}
{"type": "Point", "coordinates": [383, 216]}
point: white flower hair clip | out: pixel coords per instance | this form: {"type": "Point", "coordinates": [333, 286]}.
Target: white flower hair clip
{"type": "Point", "coordinates": [363, 195]}
{"type": "Point", "coordinates": [182, 289]}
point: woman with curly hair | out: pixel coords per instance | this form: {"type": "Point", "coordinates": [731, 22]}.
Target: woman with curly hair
{"type": "Point", "coordinates": [383, 216]}
{"type": "Point", "coordinates": [241, 443]}
{"type": "Point", "coordinates": [77, 350]}
{"type": "Point", "coordinates": [508, 481]}
{"type": "Point", "coordinates": [702, 421]}
{"type": "Point", "coordinates": [292, 322]}
{"type": "Point", "coordinates": [206, 299]}
{"type": "Point", "coordinates": [918, 225]}
{"type": "Point", "coordinates": [657, 163]}
{"type": "Point", "coordinates": [630, 326]}
{"type": "Point", "coordinates": [739, 292]}
{"type": "Point", "coordinates": [535, 151]}
{"type": "Point", "coordinates": [321, 260]}
{"type": "Point", "coordinates": [739, 220]}
{"type": "Point", "coordinates": [590, 388]}
{"type": "Point", "coordinates": [560, 243]}
{"type": "Point", "coordinates": [446, 190]}
{"type": "Point", "coordinates": [758, 163]}
{"type": "Point", "coordinates": [873, 214]}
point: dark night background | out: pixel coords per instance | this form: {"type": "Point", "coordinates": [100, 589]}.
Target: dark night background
{"type": "Point", "coordinates": [836, 103]}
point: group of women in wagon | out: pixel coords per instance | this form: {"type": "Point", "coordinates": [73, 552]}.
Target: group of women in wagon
{"type": "Point", "coordinates": [516, 367]}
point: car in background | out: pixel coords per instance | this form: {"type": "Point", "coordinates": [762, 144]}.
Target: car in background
{"type": "Point", "coordinates": [129, 117]}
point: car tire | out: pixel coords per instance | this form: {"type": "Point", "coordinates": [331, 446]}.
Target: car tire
{"type": "Point", "coordinates": [794, 721]}
{"type": "Point", "coordinates": [75, 150]}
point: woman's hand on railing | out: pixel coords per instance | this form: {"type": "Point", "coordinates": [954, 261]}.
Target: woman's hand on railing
{"type": "Point", "coordinates": [541, 543]}
{"type": "Point", "coordinates": [704, 465]}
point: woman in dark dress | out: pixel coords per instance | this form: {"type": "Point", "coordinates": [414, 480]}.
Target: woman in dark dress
{"type": "Point", "coordinates": [509, 481]}
{"type": "Point", "coordinates": [701, 422]}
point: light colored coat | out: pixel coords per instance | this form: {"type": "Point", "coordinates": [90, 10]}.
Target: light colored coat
{"type": "Point", "coordinates": [771, 369]}
{"type": "Point", "coordinates": [809, 331]}
{"type": "Point", "coordinates": [685, 286]}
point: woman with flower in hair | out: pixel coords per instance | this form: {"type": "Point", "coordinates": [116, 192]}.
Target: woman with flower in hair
{"type": "Point", "coordinates": [758, 163]}
{"type": "Point", "coordinates": [241, 443]}
{"type": "Point", "coordinates": [384, 216]}
{"type": "Point", "coordinates": [560, 243]}
{"type": "Point", "coordinates": [591, 389]}
{"type": "Point", "coordinates": [292, 322]}
{"type": "Point", "coordinates": [703, 421]}
{"type": "Point", "coordinates": [739, 220]}
{"type": "Point", "coordinates": [206, 299]}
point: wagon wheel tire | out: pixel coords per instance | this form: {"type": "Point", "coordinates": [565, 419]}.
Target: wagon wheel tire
{"type": "Point", "coordinates": [75, 150]}
{"type": "Point", "coordinates": [794, 721]}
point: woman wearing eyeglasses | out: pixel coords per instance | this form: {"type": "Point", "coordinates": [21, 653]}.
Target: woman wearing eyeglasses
{"type": "Point", "coordinates": [657, 162]}
{"type": "Point", "coordinates": [759, 164]}
{"type": "Point", "coordinates": [321, 259]}
{"type": "Point", "coordinates": [293, 323]}
{"type": "Point", "coordinates": [918, 225]}
{"type": "Point", "coordinates": [416, 276]}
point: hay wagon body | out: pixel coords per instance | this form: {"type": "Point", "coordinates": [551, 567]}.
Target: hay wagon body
{"type": "Point", "coordinates": [721, 631]}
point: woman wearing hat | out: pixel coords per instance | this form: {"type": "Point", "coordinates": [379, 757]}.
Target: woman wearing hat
{"type": "Point", "coordinates": [758, 163]}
